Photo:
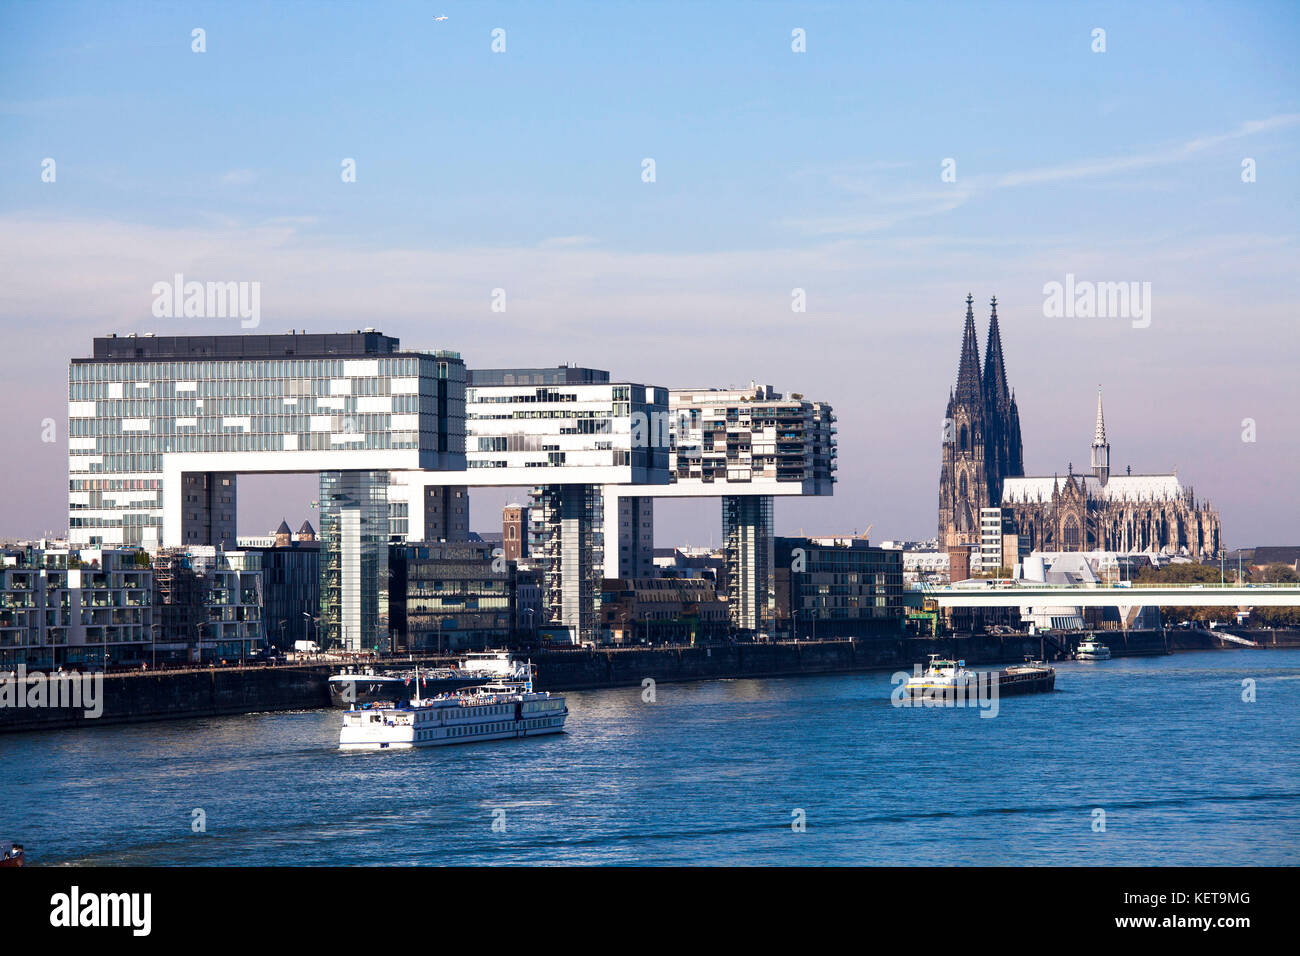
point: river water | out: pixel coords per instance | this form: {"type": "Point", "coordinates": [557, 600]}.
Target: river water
{"type": "Point", "coordinates": [1184, 770]}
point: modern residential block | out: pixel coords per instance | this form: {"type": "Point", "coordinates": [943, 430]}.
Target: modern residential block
{"type": "Point", "coordinates": [838, 586]}
{"type": "Point", "coordinates": [74, 609]}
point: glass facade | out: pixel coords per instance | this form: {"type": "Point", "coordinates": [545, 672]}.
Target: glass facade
{"type": "Point", "coordinates": [451, 596]}
{"type": "Point", "coordinates": [838, 587]}
{"type": "Point", "coordinates": [747, 531]}
{"type": "Point", "coordinates": [567, 541]}
{"type": "Point", "coordinates": [354, 561]}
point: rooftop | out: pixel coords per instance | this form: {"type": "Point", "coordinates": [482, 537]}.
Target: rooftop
{"type": "Point", "coordinates": [156, 348]}
{"type": "Point", "coordinates": [560, 375]}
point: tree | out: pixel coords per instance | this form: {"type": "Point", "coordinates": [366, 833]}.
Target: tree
{"type": "Point", "coordinates": [1276, 574]}
{"type": "Point", "coordinates": [1275, 616]}
{"type": "Point", "coordinates": [1186, 574]}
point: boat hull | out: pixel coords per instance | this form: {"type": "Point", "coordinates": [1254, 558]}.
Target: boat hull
{"type": "Point", "coordinates": [409, 744]}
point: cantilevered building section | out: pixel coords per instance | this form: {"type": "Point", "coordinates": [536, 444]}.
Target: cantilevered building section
{"type": "Point", "coordinates": [160, 426]}
{"type": "Point", "coordinates": [566, 432]}
{"type": "Point", "coordinates": [753, 435]}
{"type": "Point", "coordinates": [746, 446]}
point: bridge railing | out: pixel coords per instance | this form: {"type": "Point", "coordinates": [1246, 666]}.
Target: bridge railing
{"type": "Point", "coordinates": [1007, 584]}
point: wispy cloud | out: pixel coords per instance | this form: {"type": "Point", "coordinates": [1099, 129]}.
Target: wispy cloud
{"type": "Point", "coordinates": [1160, 157]}
{"type": "Point", "coordinates": [567, 242]}
{"type": "Point", "coordinates": [892, 207]}
{"type": "Point", "coordinates": [238, 177]}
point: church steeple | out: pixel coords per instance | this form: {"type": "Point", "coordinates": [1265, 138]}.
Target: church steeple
{"type": "Point", "coordinates": [995, 373]}
{"type": "Point", "coordinates": [963, 478]}
{"type": "Point", "coordinates": [1100, 452]}
{"type": "Point", "coordinates": [969, 382]}
{"type": "Point", "coordinates": [1002, 454]}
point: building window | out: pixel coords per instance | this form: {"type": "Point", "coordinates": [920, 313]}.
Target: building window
{"type": "Point", "coordinates": [1070, 534]}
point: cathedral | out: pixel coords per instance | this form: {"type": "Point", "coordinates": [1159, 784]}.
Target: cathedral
{"type": "Point", "coordinates": [983, 467]}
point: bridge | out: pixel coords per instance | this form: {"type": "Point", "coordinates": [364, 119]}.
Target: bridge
{"type": "Point", "coordinates": [1003, 593]}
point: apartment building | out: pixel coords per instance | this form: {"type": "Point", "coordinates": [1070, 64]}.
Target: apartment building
{"type": "Point", "coordinates": [74, 608]}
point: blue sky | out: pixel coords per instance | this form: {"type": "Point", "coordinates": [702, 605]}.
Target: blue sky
{"type": "Point", "coordinates": [774, 170]}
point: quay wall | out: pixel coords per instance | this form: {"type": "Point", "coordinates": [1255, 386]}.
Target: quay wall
{"type": "Point", "coordinates": [133, 698]}
{"type": "Point", "coordinates": [600, 667]}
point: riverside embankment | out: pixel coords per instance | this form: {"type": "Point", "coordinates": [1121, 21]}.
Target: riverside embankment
{"type": "Point", "coordinates": [210, 692]}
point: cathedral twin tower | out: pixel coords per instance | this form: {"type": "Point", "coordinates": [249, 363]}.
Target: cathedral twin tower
{"type": "Point", "coordinates": [981, 436]}
{"type": "Point", "coordinates": [983, 467]}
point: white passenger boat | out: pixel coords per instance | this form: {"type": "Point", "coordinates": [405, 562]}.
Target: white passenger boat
{"type": "Point", "coordinates": [1092, 650]}
{"type": "Point", "coordinates": [495, 711]}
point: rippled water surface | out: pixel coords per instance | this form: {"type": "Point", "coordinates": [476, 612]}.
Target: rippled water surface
{"type": "Point", "coordinates": [1185, 770]}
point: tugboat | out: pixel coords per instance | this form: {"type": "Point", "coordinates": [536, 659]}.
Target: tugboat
{"type": "Point", "coordinates": [945, 679]}
{"type": "Point", "coordinates": [496, 711]}
{"type": "Point", "coordinates": [1092, 650]}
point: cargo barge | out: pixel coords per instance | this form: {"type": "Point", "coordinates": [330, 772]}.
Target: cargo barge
{"type": "Point", "coordinates": [944, 679]}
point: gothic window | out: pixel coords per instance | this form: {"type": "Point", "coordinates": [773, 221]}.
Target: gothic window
{"type": "Point", "coordinates": [1070, 534]}
{"type": "Point", "coordinates": [963, 477]}
{"type": "Point", "coordinates": [965, 443]}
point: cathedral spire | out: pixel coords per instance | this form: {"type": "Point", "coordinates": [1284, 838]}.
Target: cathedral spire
{"type": "Point", "coordinates": [969, 384]}
{"type": "Point", "coordinates": [1099, 437]}
{"type": "Point", "coordinates": [995, 373]}
{"type": "Point", "coordinates": [1100, 452]}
